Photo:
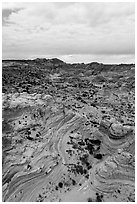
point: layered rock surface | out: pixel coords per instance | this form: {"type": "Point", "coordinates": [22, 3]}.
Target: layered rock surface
{"type": "Point", "coordinates": [68, 132]}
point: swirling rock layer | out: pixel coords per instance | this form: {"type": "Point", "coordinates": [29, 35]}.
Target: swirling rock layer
{"type": "Point", "coordinates": [73, 141]}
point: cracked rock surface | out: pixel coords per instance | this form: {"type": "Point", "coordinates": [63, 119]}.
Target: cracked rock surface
{"type": "Point", "coordinates": [68, 132]}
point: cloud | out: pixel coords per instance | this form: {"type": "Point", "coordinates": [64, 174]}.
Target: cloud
{"type": "Point", "coordinates": [68, 29]}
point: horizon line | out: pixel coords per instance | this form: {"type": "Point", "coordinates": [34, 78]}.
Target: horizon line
{"type": "Point", "coordinates": [13, 59]}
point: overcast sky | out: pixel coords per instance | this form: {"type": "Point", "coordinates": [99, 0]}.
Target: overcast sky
{"type": "Point", "coordinates": [73, 32]}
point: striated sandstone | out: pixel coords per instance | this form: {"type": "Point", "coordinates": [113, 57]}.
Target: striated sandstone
{"type": "Point", "coordinates": [68, 132]}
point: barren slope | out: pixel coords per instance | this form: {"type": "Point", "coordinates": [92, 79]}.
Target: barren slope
{"type": "Point", "coordinates": [68, 132]}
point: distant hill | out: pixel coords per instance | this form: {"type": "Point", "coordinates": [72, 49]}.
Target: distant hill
{"type": "Point", "coordinates": [56, 61]}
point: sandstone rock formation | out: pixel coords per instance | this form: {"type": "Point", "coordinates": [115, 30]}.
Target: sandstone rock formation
{"type": "Point", "coordinates": [68, 132]}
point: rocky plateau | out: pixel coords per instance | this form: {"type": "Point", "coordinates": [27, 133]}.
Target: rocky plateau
{"type": "Point", "coordinates": [68, 131]}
